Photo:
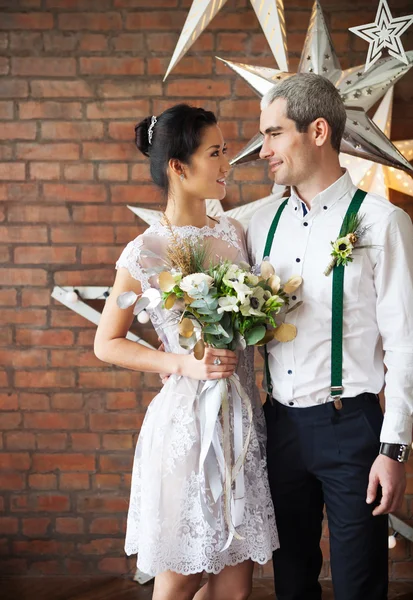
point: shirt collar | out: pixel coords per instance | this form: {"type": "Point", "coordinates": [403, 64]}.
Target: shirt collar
{"type": "Point", "coordinates": [342, 186]}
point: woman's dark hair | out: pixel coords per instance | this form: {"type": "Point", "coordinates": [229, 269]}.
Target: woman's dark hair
{"type": "Point", "coordinates": [176, 134]}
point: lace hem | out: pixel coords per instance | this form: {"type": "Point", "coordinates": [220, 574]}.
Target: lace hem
{"type": "Point", "coordinates": [148, 569]}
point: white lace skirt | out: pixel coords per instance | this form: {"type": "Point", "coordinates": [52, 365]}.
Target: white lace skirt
{"type": "Point", "coordinates": [166, 526]}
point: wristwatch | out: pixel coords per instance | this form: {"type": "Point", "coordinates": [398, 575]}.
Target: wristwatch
{"type": "Point", "coordinates": [399, 452]}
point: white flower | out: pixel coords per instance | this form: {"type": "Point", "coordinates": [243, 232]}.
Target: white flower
{"type": "Point", "coordinates": [242, 290]}
{"type": "Point", "coordinates": [196, 282]}
{"type": "Point", "coordinates": [267, 269]}
{"type": "Point", "coordinates": [228, 304]}
{"type": "Point", "coordinates": [233, 274]}
{"type": "Point", "coordinates": [252, 279]}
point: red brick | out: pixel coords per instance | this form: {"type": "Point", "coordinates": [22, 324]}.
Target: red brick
{"type": "Point", "coordinates": [141, 172]}
{"type": "Point", "coordinates": [11, 481]}
{"type": "Point", "coordinates": [111, 172]}
{"type": "Point", "coordinates": [192, 65]}
{"type": "Point", "coordinates": [44, 567]}
{"type": "Point", "coordinates": [102, 214]}
{"type": "Point", "coordinates": [44, 171]}
{"type": "Point", "coordinates": [110, 379]}
{"type": "Point", "coordinates": [83, 234]}
{"type": "Point", "coordinates": [52, 503]}
{"type": "Point", "coordinates": [43, 481]}
{"type": "Point", "coordinates": [121, 400]}
{"type": "Point", "coordinates": [59, 42]}
{"type": "Point", "coordinates": [107, 482]}
{"type": "Point", "coordinates": [68, 401]}
{"type": "Point", "coordinates": [16, 191]}
{"type": "Point", "coordinates": [83, 130]}
{"type": "Point", "coordinates": [8, 525]}
{"type": "Point", "coordinates": [81, 172]}
{"type": "Point", "coordinates": [13, 88]}
{"type": "Point", "coordinates": [8, 401]}
{"type": "Point", "coordinates": [6, 110]}
{"type": "Point", "coordinates": [44, 379]}
{"type": "Point", "coordinates": [117, 441]}
{"type": "Point", "coordinates": [51, 441]}
{"type": "Point", "coordinates": [93, 21]}
{"type": "Point", "coordinates": [129, 89]}
{"type": "Point", "coordinates": [20, 440]}
{"type": "Point", "coordinates": [163, 42]}
{"type": "Point", "coordinates": [232, 42]}
{"type": "Point", "coordinates": [50, 110]}
{"type": "Point", "coordinates": [40, 255]}
{"type": "Point", "coordinates": [17, 461]}
{"type": "Point", "coordinates": [62, 151]}
{"type": "Point", "coordinates": [44, 66]}
{"type": "Point", "coordinates": [71, 319]}
{"type": "Point", "coordinates": [115, 422]}
{"type": "Point", "coordinates": [118, 109]}
{"type": "Point", "coordinates": [109, 151]}
{"type": "Point", "coordinates": [8, 298]}
{"type": "Point", "coordinates": [102, 504]}
{"type": "Point", "coordinates": [15, 566]}
{"type": "Point", "coordinates": [4, 379]}
{"type": "Point", "coordinates": [33, 297]}
{"type": "Point", "coordinates": [29, 401]}
{"type": "Point", "coordinates": [104, 525]}
{"type": "Point", "coordinates": [12, 171]}
{"type": "Point", "coordinates": [85, 441]}
{"type": "Point", "coordinates": [70, 525]}
{"type": "Point", "coordinates": [78, 4]}
{"type": "Point", "coordinates": [14, 234]}
{"type": "Point", "coordinates": [93, 42]}
{"type": "Point", "coordinates": [146, 3]}
{"type": "Point", "coordinates": [4, 42]}
{"type": "Point", "coordinates": [4, 65]}
{"type": "Point", "coordinates": [39, 337]}
{"type": "Point", "coordinates": [128, 194]}
{"type": "Point", "coordinates": [122, 130]}
{"type": "Point", "coordinates": [63, 462]}
{"type": "Point", "coordinates": [114, 66]}
{"type": "Point", "coordinates": [101, 546]}
{"type": "Point", "coordinates": [113, 565]}
{"type": "Point", "coordinates": [229, 108]}
{"type": "Point", "coordinates": [54, 421]}
{"type": "Point", "coordinates": [23, 358]}
{"type": "Point", "coordinates": [74, 192]}
{"type": "Point", "coordinates": [59, 89]}
{"type": "Point", "coordinates": [26, 41]}
{"type": "Point", "coordinates": [80, 357]}
{"type": "Point", "coordinates": [74, 481]}
{"type": "Point", "coordinates": [5, 154]}
{"type": "Point", "coordinates": [23, 316]}
{"type": "Point", "coordinates": [198, 87]}
{"type": "Point", "coordinates": [10, 420]}
{"type": "Point", "coordinates": [128, 42]}
{"type": "Point", "coordinates": [18, 131]}
{"type": "Point", "coordinates": [85, 277]}
{"type": "Point", "coordinates": [34, 20]}
{"type": "Point", "coordinates": [165, 20]}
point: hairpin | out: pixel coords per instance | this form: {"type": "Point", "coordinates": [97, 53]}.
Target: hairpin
{"type": "Point", "coordinates": [150, 129]}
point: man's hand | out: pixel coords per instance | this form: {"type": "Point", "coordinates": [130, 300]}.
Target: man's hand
{"type": "Point", "coordinates": [391, 475]}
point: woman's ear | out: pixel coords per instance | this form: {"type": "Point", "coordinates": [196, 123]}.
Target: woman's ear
{"type": "Point", "coordinates": [176, 167]}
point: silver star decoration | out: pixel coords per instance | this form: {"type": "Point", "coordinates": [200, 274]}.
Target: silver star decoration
{"type": "Point", "coordinates": [214, 208]}
{"type": "Point", "coordinates": [367, 141]}
{"type": "Point", "coordinates": [270, 14]}
{"type": "Point", "coordinates": [385, 32]}
{"type": "Point", "coordinates": [376, 178]}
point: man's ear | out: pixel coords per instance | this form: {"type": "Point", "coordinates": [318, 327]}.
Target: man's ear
{"type": "Point", "coordinates": [321, 131]}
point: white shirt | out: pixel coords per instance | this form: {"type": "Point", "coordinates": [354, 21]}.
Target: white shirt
{"type": "Point", "coordinates": [378, 303]}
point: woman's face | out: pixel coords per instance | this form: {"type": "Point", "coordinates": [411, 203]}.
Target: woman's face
{"type": "Point", "coordinates": [209, 167]}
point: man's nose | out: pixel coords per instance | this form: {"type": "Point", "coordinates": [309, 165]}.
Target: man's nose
{"type": "Point", "coordinates": [265, 151]}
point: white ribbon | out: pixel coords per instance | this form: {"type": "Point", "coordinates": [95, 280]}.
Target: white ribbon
{"type": "Point", "coordinates": [223, 465]}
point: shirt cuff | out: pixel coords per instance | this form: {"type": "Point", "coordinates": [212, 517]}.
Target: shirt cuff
{"type": "Point", "coordinates": [397, 428]}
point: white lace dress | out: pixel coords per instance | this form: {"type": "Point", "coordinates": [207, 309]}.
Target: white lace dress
{"type": "Point", "coordinates": [166, 526]}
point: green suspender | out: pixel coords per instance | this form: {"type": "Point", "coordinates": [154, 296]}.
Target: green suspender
{"type": "Point", "coordinates": [267, 251]}
{"type": "Point", "coordinates": [337, 311]}
{"type": "Point", "coordinates": [337, 305]}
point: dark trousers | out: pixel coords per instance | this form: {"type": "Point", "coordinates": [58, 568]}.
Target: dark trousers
{"type": "Point", "coordinates": [320, 455]}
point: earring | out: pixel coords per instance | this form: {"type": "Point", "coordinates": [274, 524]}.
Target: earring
{"type": "Point", "coordinates": [182, 177]}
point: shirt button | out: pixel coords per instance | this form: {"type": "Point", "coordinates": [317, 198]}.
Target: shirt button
{"type": "Point", "coordinates": [305, 224]}
{"type": "Point", "coordinates": [293, 297]}
{"type": "Point", "coordinates": [289, 372]}
{"type": "Point", "coordinates": [298, 260]}
{"type": "Point", "coordinates": [295, 208]}
{"type": "Point", "coordinates": [291, 404]}
{"type": "Point", "coordinates": [325, 207]}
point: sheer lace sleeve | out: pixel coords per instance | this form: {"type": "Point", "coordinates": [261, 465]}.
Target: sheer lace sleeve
{"type": "Point", "coordinates": [242, 242]}
{"type": "Point", "coordinates": [130, 259]}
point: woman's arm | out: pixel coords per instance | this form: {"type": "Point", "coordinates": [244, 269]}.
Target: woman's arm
{"type": "Point", "coordinates": [111, 345]}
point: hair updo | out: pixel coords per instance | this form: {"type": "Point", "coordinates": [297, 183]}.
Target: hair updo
{"type": "Point", "coordinates": [176, 134]}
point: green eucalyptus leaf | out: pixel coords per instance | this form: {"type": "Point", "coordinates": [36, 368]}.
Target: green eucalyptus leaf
{"type": "Point", "coordinates": [254, 335]}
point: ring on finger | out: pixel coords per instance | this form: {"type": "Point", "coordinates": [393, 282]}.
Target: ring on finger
{"type": "Point", "coordinates": [217, 361]}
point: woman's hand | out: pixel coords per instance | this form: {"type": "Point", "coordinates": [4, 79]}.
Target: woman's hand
{"type": "Point", "coordinates": [205, 368]}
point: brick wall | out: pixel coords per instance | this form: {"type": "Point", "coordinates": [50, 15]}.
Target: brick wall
{"type": "Point", "coordinates": [75, 75]}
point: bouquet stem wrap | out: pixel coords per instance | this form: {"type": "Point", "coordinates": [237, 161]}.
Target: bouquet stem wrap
{"type": "Point", "coordinates": [222, 462]}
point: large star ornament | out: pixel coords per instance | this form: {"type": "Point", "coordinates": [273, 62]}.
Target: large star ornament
{"type": "Point", "coordinates": [385, 32]}
{"type": "Point", "coordinates": [376, 178]}
{"type": "Point", "coordinates": [358, 90]}
{"type": "Point", "coordinates": [270, 14]}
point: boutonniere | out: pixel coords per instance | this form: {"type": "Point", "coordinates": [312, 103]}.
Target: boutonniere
{"type": "Point", "coordinates": [343, 247]}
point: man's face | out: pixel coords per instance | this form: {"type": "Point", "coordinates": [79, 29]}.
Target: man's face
{"type": "Point", "coordinates": [291, 154]}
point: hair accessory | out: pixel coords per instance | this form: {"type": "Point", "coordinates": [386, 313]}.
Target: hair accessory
{"type": "Point", "coordinates": [150, 129]}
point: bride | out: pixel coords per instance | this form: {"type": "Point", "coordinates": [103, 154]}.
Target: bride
{"type": "Point", "coordinates": [176, 537]}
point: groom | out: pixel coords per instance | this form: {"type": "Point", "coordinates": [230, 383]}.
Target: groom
{"type": "Point", "coordinates": [327, 440]}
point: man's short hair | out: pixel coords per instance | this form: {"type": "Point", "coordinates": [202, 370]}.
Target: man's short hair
{"type": "Point", "coordinates": [310, 97]}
